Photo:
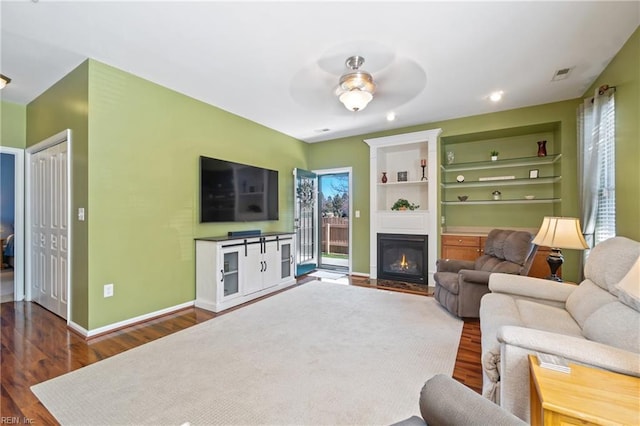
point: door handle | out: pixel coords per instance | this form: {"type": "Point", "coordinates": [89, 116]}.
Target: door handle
{"type": "Point", "coordinates": [221, 275]}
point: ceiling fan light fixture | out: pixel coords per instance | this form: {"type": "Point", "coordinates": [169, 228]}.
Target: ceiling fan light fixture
{"type": "Point", "coordinates": [4, 80]}
{"type": "Point", "coordinates": [355, 100]}
{"type": "Point", "coordinates": [356, 86]}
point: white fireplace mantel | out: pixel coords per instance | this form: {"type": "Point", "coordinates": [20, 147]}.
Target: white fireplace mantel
{"type": "Point", "coordinates": [400, 153]}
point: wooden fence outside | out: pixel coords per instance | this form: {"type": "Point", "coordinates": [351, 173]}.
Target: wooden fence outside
{"type": "Point", "coordinates": [335, 235]}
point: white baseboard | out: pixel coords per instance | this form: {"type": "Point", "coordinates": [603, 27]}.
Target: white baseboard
{"type": "Point", "coordinates": [111, 327]}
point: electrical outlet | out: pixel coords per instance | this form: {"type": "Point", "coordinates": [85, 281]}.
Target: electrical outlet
{"type": "Point", "coordinates": [108, 290]}
{"type": "Point", "coordinates": [442, 220]}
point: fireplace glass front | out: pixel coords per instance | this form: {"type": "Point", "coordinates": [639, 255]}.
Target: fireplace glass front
{"type": "Point", "coordinates": [402, 257]}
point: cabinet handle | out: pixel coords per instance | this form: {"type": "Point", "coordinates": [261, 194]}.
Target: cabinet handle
{"type": "Point", "coordinates": [459, 241]}
{"type": "Point", "coordinates": [291, 261]}
{"type": "Point", "coordinates": [221, 275]}
{"type": "Point", "coordinates": [265, 266]}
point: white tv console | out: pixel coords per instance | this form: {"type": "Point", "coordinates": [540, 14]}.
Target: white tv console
{"type": "Point", "coordinates": [234, 270]}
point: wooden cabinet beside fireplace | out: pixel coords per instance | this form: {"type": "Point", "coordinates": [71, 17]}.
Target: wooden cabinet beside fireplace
{"type": "Point", "coordinates": [470, 247]}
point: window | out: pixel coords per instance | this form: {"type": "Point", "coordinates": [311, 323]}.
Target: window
{"type": "Point", "coordinates": [596, 166]}
{"type": "Point", "coordinates": [606, 211]}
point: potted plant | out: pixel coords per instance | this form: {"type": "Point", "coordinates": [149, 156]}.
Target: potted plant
{"type": "Point", "coordinates": [494, 155]}
{"type": "Point", "coordinates": [403, 204]}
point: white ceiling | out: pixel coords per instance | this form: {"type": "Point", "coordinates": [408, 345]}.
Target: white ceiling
{"type": "Point", "coordinates": [278, 63]}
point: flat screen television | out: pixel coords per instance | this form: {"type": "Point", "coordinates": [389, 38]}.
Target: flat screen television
{"type": "Point", "coordinates": [234, 192]}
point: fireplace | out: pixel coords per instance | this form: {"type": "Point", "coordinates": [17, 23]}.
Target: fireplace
{"type": "Point", "coordinates": [403, 257]}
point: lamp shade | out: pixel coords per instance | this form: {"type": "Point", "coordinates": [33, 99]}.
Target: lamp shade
{"type": "Point", "coordinates": [561, 232]}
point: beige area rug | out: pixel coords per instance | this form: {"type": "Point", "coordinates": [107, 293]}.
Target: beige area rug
{"type": "Point", "coordinates": [318, 354]}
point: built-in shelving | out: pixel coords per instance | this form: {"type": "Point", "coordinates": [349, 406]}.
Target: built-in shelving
{"type": "Point", "coordinates": [516, 190]}
{"type": "Point", "coordinates": [502, 182]}
{"type": "Point", "coordinates": [509, 162]}
{"type": "Point", "coordinates": [407, 183]}
{"type": "Point", "coordinates": [519, 201]}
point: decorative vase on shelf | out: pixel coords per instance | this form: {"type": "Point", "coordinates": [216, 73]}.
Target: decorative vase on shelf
{"type": "Point", "coordinates": [384, 177]}
{"type": "Point", "coordinates": [542, 148]}
{"type": "Point", "coordinates": [450, 157]}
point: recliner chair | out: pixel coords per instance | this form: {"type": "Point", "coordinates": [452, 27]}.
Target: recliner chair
{"type": "Point", "coordinates": [444, 401]}
{"type": "Point", "coordinates": [460, 284]}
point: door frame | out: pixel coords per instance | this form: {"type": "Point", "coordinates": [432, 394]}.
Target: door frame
{"type": "Point", "coordinates": [18, 221]}
{"type": "Point", "coordinates": [56, 139]}
{"type": "Point", "coordinates": [349, 172]}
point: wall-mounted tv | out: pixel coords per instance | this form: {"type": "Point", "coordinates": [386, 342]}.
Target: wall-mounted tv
{"type": "Point", "coordinates": [234, 192]}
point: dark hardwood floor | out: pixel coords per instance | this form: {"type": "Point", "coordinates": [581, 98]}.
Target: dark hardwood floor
{"type": "Point", "coordinates": [36, 345]}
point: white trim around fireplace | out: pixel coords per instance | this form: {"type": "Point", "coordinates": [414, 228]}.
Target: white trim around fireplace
{"type": "Point", "coordinates": [399, 153]}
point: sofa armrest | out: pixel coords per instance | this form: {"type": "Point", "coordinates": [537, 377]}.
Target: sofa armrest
{"type": "Point", "coordinates": [529, 287]}
{"type": "Point", "coordinates": [473, 276]}
{"type": "Point", "coordinates": [572, 348]}
{"type": "Point", "coordinates": [444, 401]}
{"type": "Point", "coordinates": [453, 265]}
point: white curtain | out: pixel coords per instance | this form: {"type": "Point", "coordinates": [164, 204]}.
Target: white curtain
{"type": "Point", "coordinates": [595, 127]}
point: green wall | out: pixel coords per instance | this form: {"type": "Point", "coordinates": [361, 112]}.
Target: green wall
{"type": "Point", "coordinates": [13, 125]}
{"type": "Point", "coordinates": [135, 151]}
{"type": "Point", "coordinates": [144, 147]}
{"type": "Point", "coordinates": [624, 73]}
{"type": "Point", "coordinates": [65, 106]}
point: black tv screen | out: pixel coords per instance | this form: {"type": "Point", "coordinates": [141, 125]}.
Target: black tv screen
{"type": "Point", "coordinates": [234, 192]}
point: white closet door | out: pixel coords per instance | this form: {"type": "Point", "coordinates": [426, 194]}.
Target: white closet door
{"type": "Point", "coordinates": [49, 230]}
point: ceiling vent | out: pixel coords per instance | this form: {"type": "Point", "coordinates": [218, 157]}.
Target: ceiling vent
{"type": "Point", "coordinates": [562, 74]}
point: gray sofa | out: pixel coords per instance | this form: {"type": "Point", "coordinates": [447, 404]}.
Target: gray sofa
{"type": "Point", "coordinates": [594, 323]}
{"type": "Point", "coordinates": [444, 401]}
{"type": "Point", "coordinates": [460, 284]}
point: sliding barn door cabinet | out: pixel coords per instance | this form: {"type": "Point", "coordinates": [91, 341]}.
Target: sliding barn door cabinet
{"type": "Point", "coordinates": [232, 271]}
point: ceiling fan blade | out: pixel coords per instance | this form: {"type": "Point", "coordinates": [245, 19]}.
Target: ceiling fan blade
{"type": "Point", "coordinates": [400, 82]}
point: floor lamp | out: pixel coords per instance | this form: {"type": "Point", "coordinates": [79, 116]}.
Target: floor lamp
{"type": "Point", "coordinates": [559, 233]}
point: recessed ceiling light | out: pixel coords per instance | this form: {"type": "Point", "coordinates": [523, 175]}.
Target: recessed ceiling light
{"type": "Point", "coordinates": [391, 116]}
{"type": "Point", "coordinates": [496, 96]}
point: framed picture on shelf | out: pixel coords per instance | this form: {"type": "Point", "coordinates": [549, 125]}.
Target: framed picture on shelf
{"type": "Point", "coordinates": [533, 174]}
{"type": "Point", "coordinates": [402, 176]}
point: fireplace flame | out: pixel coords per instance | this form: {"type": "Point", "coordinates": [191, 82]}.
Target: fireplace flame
{"type": "Point", "coordinates": [403, 263]}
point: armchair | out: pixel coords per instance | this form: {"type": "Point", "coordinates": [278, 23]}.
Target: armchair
{"type": "Point", "coordinates": [444, 401]}
{"type": "Point", "coordinates": [460, 284]}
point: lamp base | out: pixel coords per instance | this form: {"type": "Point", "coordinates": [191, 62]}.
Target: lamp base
{"type": "Point", "coordinates": [555, 261]}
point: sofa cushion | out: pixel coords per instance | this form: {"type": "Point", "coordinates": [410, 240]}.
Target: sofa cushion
{"type": "Point", "coordinates": [614, 324]}
{"type": "Point", "coordinates": [610, 260]}
{"type": "Point", "coordinates": [509, 245]}
{"type": "Point", "coordinates": [496, 310]}
{"type": "Point", "coordinates": [548, 318]}
{"type": "Point", "coordinates": [586, 299]}
{"type": "Point", "coordinates": [493, 264]}
{"type": "Point", "coordinates": [629, 287]}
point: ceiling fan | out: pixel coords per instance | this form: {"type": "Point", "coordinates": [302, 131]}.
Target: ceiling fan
{"type": "Point", "coordinates": [356, 87]}
{"type": "Point", "coordinates": [388, 83]}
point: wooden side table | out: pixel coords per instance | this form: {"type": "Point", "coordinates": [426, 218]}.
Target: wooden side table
{"type": "Point", "coordinates": [585, 396]}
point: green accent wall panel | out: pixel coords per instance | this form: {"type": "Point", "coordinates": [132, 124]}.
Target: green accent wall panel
{"type": "Point", "coordinates": [65, 106]}
{"type": "Point", "coordinates": [354, 153]}
{"type": "Point", "coordinates": [13, 125]}
{"type": "Point", "coordinates": [144, 147]}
